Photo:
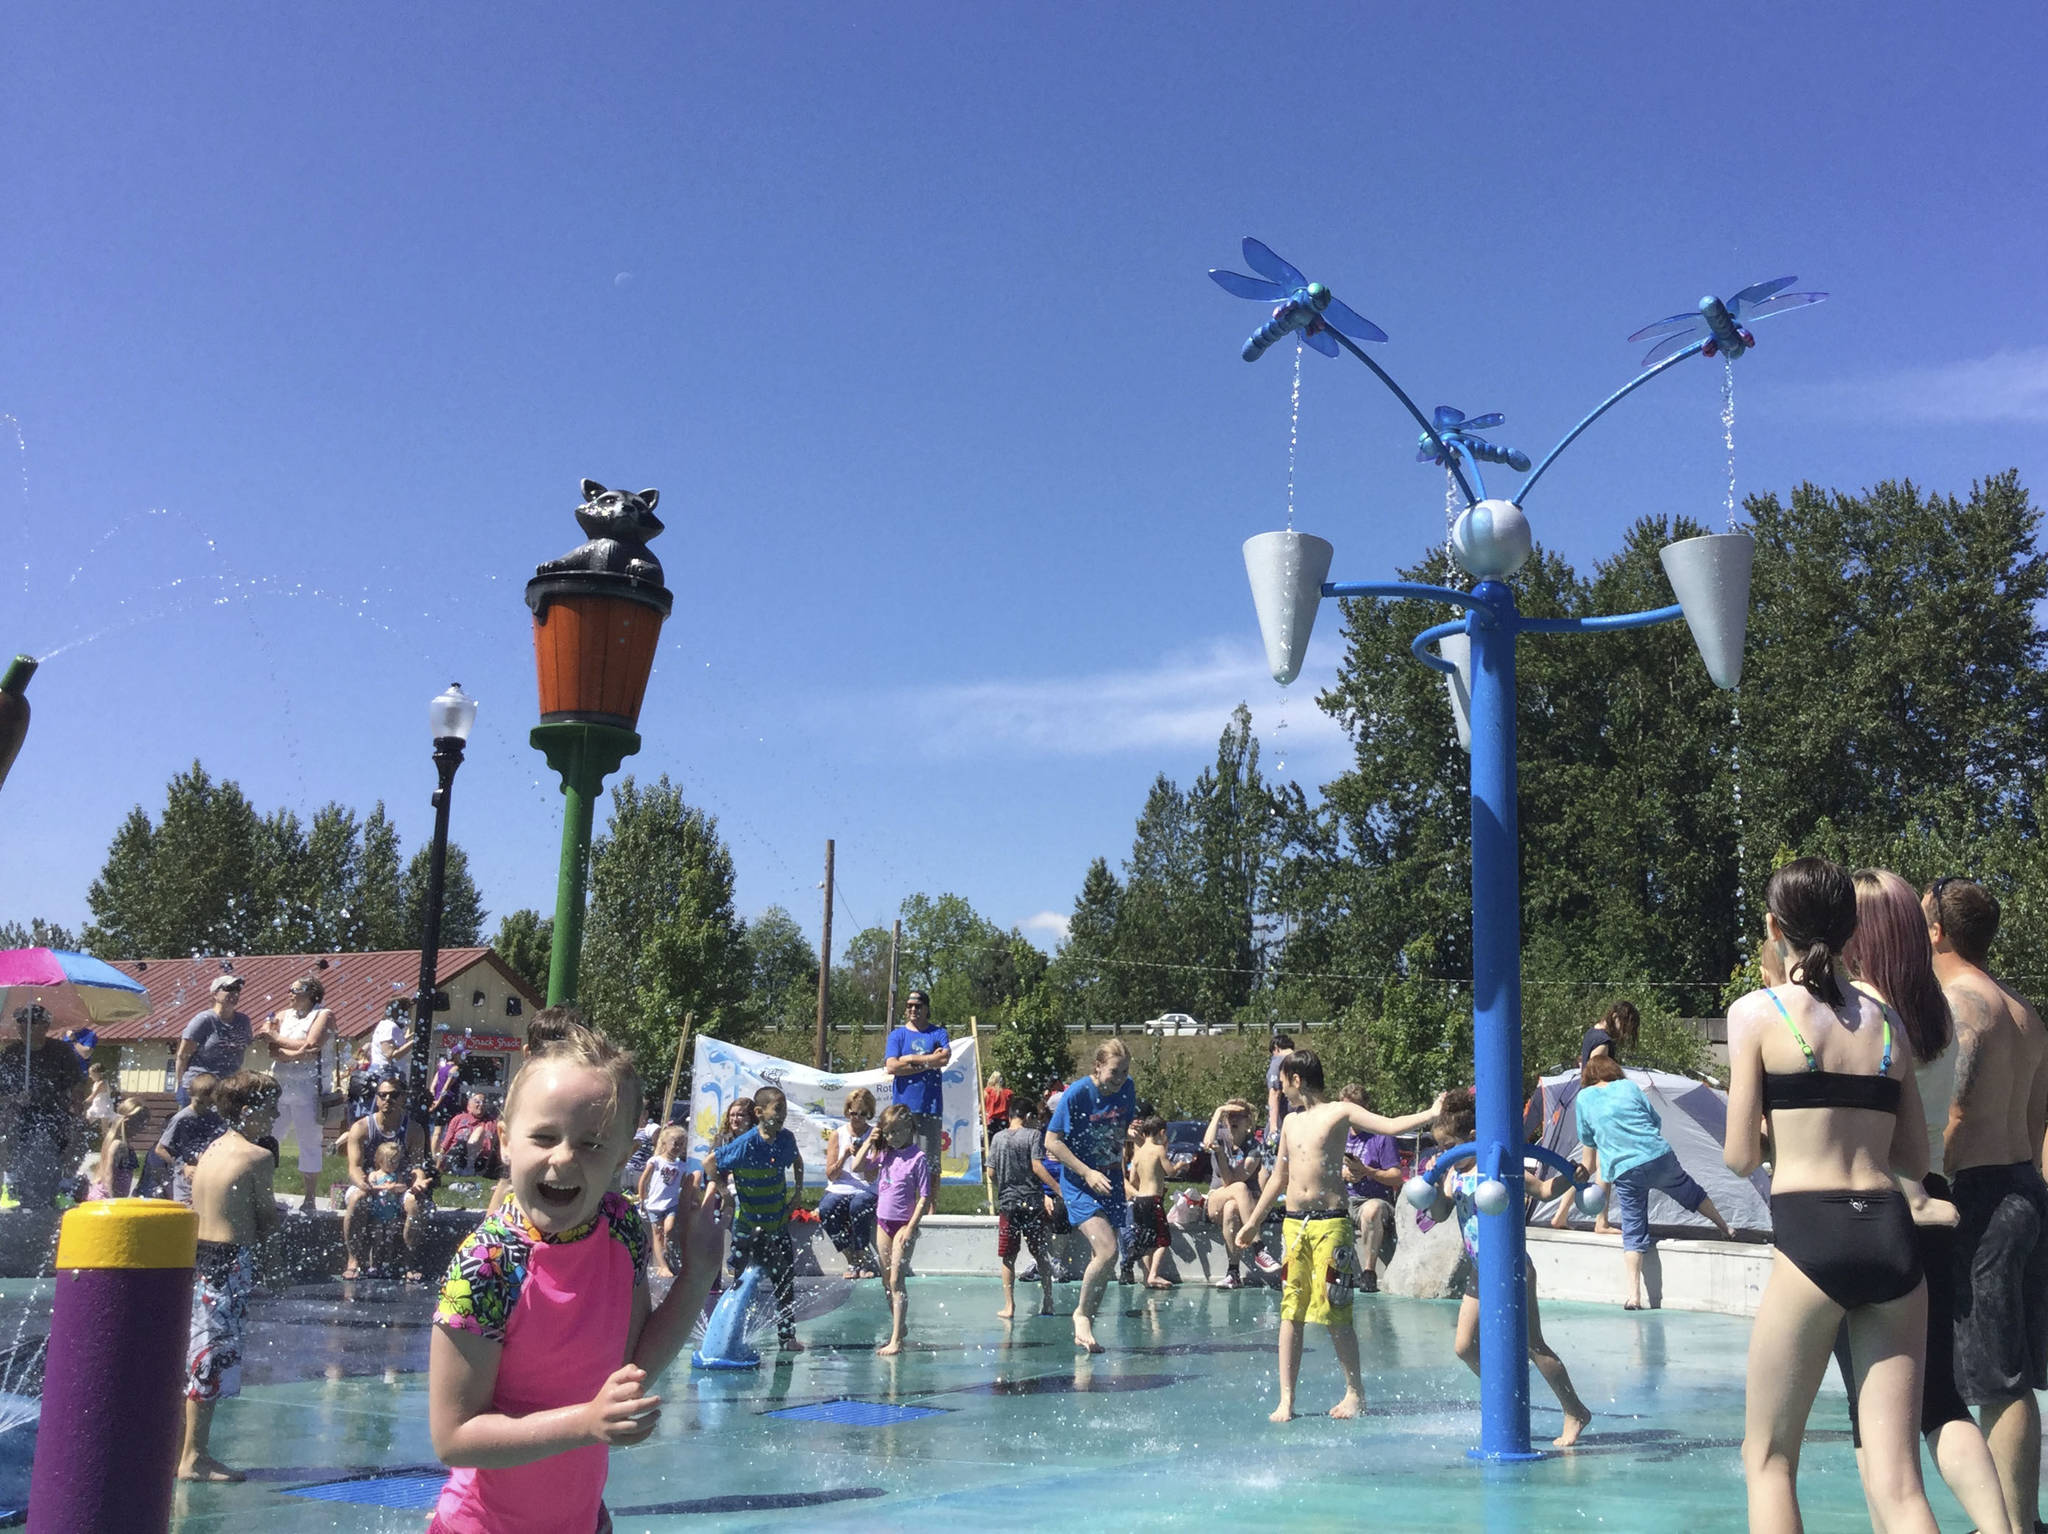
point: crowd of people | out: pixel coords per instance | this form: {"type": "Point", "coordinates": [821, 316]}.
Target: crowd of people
{"type": "Point", "coordinates": [1896, 1092]}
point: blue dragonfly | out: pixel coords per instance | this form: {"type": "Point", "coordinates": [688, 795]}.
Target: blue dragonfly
{"type": "Point", "coordinates": [1723, 324]}
{"type": "Point", "coordinates": [1454, 426]}
{"type": "Point", "coordinates": [1301, 305]}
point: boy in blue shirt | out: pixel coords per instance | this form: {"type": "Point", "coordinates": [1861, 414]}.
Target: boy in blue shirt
{"type": "Point", "coordinates": [762, 1199]}
{"type": "Point", "coordinates": [916, 1058]}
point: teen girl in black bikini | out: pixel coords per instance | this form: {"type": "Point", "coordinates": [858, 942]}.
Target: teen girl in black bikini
{"type": "Point", "coordinates": [1820, 1058]}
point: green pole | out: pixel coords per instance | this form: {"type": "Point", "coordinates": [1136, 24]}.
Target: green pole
{"type": "Point", "coordinates": [584, 755]}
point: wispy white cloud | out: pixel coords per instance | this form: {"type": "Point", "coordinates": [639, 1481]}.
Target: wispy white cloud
{"type": "Point", "coordinates": [1046, 927]}
{"type": "Point", "coordinates": [2005, 388]}
{"type": "Point", "coordinates": [1182, 701]}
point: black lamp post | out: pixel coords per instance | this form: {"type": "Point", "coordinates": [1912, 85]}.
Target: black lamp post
{"type": "Point", "coordinates": [449, 718]}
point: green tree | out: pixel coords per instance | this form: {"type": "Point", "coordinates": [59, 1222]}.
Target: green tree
{"type": "Point", "coordinates": [525, 940]}
{"type": "Point", "coordinates": [1094, 985]}
{"type": "Point", "coordinates": [782, 989]}
{"type": "Point", "coordinates": [36, 933]}
{"type": "Point", "coordinates": [1033, 1051]}
{"type": "Point", "coordinates": [462, 907]}
{"type": "Point", "coordinates": [376, 908]}
{"type": "Point", "coordinates": [860, 981]}
{"type": "Point", "coordinates": [1901, 677]}
{"type": "Point", "coordinates": [192, 882]}
{"type": "Point", "coordinates": [662, 938]}
{"type": "Point", "coordinates": [943, 939]}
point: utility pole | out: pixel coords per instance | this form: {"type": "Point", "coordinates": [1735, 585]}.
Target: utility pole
{"type": "Point", "coordinates": [895, 939]}
{"type": "Point", "coordinates": [824, 965]}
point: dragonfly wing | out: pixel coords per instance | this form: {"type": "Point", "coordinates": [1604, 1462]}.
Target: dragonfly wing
{"type": "Point", "coordinates": [1320, 340]}
{"type": "Point", "coordinates": [1670, 344]}
{"type": "Point", "coordinates": [1757, 292]}
{"type": "Point", "coordinates": [1241, 286]}
{"type": "Point", "coordinates": [1482, 422]}
{"type": "Point", "coordinates": [1690, 320]}
{"type": "Point", "coordinates": [1261, 259]}
{"type": "Point", "coordinates": [1352, 323]}
{"type": "Point", "coordinates": [1444, 417]}
{"type": "Point", "coordinates": [1781, 303]}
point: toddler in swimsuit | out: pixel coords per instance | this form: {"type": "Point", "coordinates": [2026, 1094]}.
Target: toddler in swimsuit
{"type": "Point", "coordinates": [526, 1391]}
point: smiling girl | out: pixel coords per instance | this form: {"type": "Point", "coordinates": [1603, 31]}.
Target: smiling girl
{"type": "Point", "coordinates": [544, 1339]}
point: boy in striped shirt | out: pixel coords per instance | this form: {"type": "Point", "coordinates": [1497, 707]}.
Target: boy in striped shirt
{"type": "Point", "coordinates": [762, 1198]}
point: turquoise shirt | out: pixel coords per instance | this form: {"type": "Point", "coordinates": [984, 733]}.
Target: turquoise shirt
{"type": "Point", "coordinates": [1616, 1119]}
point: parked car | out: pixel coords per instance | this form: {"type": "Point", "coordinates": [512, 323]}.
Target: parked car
{"type": "Point", "coordinates": [1173, 1023]}
{"type": "Point", "coordinates": [1184, 1139]}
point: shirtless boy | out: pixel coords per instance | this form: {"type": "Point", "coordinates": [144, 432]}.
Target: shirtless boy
{"type": "Point", "coordinates": [1146, 1185]}
{"type": "Point", "coordinates": [1992, 1153]}
{"type": "Point", "coordinates": [231, 1195]}
{"type": "Point", "coordinates": [1318, 1248]}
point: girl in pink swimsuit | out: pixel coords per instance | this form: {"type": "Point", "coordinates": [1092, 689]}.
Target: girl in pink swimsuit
{"type": "Point", "coordinates": [544, 1339]}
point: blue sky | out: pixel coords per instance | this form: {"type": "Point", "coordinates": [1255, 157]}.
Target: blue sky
{"type": "Point", "coordinates": [317, 316]}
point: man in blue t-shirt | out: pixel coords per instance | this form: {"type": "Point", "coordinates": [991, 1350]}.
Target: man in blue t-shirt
{"type": "Point", "coordinates": [916, 1058]}
{"type": "Point", "coordinates": [1086, 1137]}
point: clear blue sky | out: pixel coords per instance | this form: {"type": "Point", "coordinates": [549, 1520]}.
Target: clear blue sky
{"type": "Point", "coordinates": [316, 317]}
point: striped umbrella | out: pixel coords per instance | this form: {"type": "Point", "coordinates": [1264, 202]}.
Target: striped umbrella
{"type": "Point", "coordinates": [76, 989]}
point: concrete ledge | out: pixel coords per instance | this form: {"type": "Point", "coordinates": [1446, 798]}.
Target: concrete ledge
{"type": "Point", "coordinates": [1724, 1277]}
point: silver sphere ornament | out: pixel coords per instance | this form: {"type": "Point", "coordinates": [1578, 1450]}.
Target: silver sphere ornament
{"type": "Point", "coordinates": [1492, 1197]}
{"type": "Point", "coordinates": [1419, 1192]}
{"type": "Point", "coordinates": [1592, 1198]}
{"type": "Point", "coordinates": [1491, 539]}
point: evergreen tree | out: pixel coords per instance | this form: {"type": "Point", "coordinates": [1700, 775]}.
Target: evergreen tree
{"type": "Point", "coordinates": [334, 852]}
{"type": "Point", "coordinates": [192, 883]}
{"type": "Point", "coordinates": [376, 905]}
{"type": "Point", "coordinates": [662, 937]}
{"type": "Point", "coordinates": [1095, 988]}
{"type": "Point", "coordinates": [36, 933]}
{"type": "Point", "coordinates": [525, 940]}
{"type": "Point", "coordinates": [462, 907]}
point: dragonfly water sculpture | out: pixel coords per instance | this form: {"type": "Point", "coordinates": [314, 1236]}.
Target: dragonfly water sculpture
{"type": "Point", "coordinates": [1476, 654]}
{"type": "Point", "coordinates": [1454, 426]}
{"type": "Point", "coordinates": [1301, 305]}
{"type": "Point", "coordinates": [1724, 325]}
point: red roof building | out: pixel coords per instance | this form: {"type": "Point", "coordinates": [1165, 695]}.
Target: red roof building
{"type": "Point", "coordinates": [488, 1003]}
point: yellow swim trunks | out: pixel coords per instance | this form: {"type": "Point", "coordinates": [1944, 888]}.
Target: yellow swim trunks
{"type": "Point", "coordinates": [1317, 1250]}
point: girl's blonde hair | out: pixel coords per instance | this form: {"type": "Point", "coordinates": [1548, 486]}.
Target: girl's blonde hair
{"type": "Point", "coordinates": [671, 1141]}
{"type": "Point", "coordinates": [860, 1101]}
{"type": "Point", "coordinates": [378, 1158]}
{"type": "Point", "coordinates": [569, 1041]}
{"type": "Point", "coordinates": [892, 1115]}
{"type": "Point", "coordinates": [1111, 1047]}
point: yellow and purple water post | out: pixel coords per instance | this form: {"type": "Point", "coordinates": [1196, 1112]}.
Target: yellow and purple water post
{"type": "Point", "coordinates": [113, 1413]}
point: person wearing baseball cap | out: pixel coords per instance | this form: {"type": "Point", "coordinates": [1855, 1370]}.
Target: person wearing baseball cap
{"type": "Point", "coordinates": [216, 1040]}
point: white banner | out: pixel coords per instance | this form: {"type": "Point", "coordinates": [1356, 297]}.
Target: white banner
{"type": "Point", "coordinates": [721, 1072]}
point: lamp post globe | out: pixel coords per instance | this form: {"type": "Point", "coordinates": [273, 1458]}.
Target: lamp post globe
{"type": "Point", "coordinates": [450, 717]}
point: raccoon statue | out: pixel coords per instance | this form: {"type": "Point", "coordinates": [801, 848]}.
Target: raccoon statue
{"type": "Point", "coordinates": [619, 523]}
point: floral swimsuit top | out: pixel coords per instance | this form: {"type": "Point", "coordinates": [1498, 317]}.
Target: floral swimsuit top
{"type": "Point", "coordinates": [490, 1267]}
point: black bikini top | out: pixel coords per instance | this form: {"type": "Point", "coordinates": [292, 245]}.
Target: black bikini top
{"type": "Point", "coordinates": [1816, 1088]}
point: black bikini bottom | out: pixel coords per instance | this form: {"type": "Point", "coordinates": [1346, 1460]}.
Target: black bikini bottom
{"type": "Point", "coordinates": [1858, 1248]}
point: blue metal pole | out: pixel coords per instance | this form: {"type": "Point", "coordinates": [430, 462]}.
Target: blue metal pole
{"type": "Point", "coordinates": [1497, 1026]}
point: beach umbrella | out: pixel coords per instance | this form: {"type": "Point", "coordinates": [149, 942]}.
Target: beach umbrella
{"type": "Point", "coordinates": [76, 989]}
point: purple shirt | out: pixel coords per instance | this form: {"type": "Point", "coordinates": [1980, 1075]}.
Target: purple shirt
{"type": "Point", "coordinates": [904, 1179]}
{"type": "Point", "coordinates": [1373, 1151]}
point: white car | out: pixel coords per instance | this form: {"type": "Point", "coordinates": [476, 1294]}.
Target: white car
{"type": "Point", "coordinates": [1168, 1023]}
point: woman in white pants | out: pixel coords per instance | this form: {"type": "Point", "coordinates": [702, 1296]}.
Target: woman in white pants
{"type": "Point", "coordinates": [298, 1039]}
